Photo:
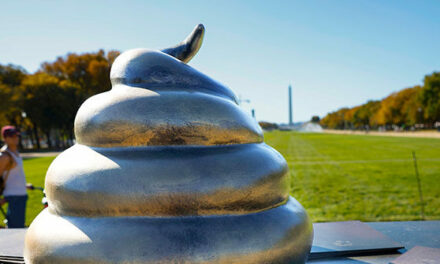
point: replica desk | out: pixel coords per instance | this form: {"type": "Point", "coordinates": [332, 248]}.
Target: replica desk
{"type": "Point", "coordinates": [408, 233]}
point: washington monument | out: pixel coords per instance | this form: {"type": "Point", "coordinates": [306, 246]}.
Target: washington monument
{"type": "Point", "coordinates": [290, 106]}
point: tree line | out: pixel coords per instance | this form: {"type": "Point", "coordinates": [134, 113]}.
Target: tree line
{"type": "Point", "coordinates": [43, 105]}
{"type": "Point", "coordinates": [414, 107]}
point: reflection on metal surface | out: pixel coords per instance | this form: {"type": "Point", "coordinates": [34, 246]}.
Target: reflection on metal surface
{"type": "Point", "coordinates": [186, 50]}
{"type": "Point", "coordinates": [168, 169]}
{"type": "Point", "coordinates": [278, 235]}
{"type": "Point", "coordinates": [167, 181]}
{"type": "Point", "coordinates": [137, 117]}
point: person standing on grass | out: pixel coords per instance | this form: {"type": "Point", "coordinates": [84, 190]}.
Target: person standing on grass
{"type": "Point", "coordinates": [11, 169]}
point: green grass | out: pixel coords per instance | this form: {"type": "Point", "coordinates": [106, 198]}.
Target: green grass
{"type": "Point", "coordinates": [35, 171]}
{"type": "Point", "coordinates": [338, 177]}
{"type": "Point", "coordinates": [368, 178]}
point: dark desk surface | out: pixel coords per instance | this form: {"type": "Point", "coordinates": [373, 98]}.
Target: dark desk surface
{"type": "Point", "coordinates": [410, 234]}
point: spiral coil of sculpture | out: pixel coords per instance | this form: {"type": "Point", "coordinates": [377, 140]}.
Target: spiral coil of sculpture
{"type": "Point", "coordinates": [168, 169]}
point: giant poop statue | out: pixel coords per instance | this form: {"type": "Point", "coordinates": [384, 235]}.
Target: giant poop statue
{"type": "Point", "coordinates": [168, 169]}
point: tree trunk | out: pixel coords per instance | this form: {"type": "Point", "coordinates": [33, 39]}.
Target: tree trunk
{"type": "Point", "coordinates": [49, 143]}
{"type": "Point", "coordinates": [37, 138]}
{"type": "Point", "coordinates": [20, 143]}
{"type": "Point", "coordinates": [57, 139]}
{"type": "Point", "coordinates": [31, 136]}
{"type": "Point", "coordinates": [71, 137]}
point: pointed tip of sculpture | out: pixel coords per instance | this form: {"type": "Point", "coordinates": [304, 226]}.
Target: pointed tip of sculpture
{"type": "Point", "coordinates": [200, 27]}
{"type": "Point", "coordinates": [188, 48]}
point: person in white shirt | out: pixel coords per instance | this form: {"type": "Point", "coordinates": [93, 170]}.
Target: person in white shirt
{"type": "Point", "coordinates": [11, 169]}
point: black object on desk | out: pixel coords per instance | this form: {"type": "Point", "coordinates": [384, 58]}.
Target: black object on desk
{"type": "Point", "coordinates": [350, 238]}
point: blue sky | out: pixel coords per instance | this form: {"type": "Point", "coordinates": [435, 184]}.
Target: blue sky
{"type": "Point", "coordinates": [334, 53]}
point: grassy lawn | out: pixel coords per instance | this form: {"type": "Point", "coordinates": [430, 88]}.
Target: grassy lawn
{"type": "Point", "coordinates": [369, 178]}
{"type": "Point", "coordinates": [338, 177]}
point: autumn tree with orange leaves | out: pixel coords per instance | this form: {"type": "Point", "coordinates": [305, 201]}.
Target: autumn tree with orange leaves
{"type": "Point", "coordinates": [48, 100]}
{"type": "Point", "coordinates": [405, 108]}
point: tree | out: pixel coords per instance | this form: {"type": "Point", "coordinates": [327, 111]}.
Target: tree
{"type": "Point", "coordinates": [411, 108]}
{"type": "Point", "coordinates": [267, 125]}
{"type": "Point", "coordinates": [50, 103]}
{"type": "Point", "coordinates": [51, 97]}
{"type": "Point", "coordinates": [363, 115]}
{"type": "Point", "coordinates": [335, 120]}
{"type": "Point", "coordinates": [399, 108]}
{"type": "Point", "coordinates": [89, 71]}
{"type": "Point", "coordinates": [430, 97]}
{"type": "Point", "coordinates": [349, 117]}
{"type": "Point", "coordinates": [77, 77]}
{"type": "Point", "coordinates": [315, 119]}
{"type": "Point", "coordinates": [11, 77]}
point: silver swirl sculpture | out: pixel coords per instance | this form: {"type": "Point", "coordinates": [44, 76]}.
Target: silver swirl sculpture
{"type": "Point", "coordinates": [168, 169]}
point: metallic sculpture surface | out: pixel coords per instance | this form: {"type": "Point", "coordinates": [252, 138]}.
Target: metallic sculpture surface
{"type": "Point", "coordinates": [168, 169]}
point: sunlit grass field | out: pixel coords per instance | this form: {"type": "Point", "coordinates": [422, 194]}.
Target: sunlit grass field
{"type": "Point", "coordinates": [338, 177]}
{"type": "Point", "coordinates": [363, 177]}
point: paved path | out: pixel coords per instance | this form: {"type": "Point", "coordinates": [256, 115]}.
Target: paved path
{"type": "Point", "coordinates": [39, 154]}
{"type": "Point", "coordinates": [423, 134]}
